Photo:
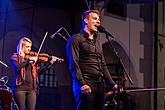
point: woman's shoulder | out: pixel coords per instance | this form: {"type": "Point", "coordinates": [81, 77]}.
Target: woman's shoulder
{"type": "Point", "coordinates": [14, 55]}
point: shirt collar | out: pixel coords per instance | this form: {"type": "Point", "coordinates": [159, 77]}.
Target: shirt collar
{"type": "Point", "coordinates": [87, 35]}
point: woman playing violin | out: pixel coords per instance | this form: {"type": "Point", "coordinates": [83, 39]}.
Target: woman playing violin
{"type": "Point", "coordinates": [26, 74]}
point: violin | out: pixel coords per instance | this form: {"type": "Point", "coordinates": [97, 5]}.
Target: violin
{"type": "Point", "coordinates": [44, 57]}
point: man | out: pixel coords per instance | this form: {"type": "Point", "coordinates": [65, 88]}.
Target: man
{"type": "Point", "coordinates": [87, 65]}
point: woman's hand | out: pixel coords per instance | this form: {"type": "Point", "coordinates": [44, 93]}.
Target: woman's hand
{"type": "Point", "coordinates": [34, 59]}
{"type": "Point", "coordinates": [54, 59]}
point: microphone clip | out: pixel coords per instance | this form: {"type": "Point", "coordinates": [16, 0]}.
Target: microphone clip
{"type": "Point", "coordinates": [58, 33]}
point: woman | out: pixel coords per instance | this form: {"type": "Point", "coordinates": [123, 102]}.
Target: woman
{"type": "Point", "coordinates": [26, 75]}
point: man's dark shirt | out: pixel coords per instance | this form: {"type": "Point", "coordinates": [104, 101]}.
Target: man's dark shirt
{"type": "Point", "coordinates": [86, 58]}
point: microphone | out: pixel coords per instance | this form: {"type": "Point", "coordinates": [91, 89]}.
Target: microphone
{"type": "Point", "coordinates": [102, 30]}
{"type": "Point", "coordinates": [52, 36]}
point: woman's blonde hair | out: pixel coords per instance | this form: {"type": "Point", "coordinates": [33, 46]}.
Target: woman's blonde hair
{"type": "Point", "coordinates": [22, 43]}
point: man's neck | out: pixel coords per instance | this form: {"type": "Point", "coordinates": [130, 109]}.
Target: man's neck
{"type": "Point", "coordinates": [91, 34]}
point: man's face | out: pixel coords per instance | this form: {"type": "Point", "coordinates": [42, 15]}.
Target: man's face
{"type": "Point", "coordinates": [27, 47]}
{"type": "Point", "coordinates": [93, 21]}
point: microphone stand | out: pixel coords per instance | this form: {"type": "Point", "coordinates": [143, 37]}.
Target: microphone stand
{"type": "Point", "coordinates": [58, 33]}
{"type": "Point", "coordinates": [3, 63]}
{"type": "Point", "coordinates": [120, 63]}
{"type": "Point", "coordinates": [118, 58]}
{"type": "Point", "coordinates": [66, 33]}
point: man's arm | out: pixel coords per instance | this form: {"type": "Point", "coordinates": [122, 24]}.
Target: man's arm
{"type": "Point", "coordinates": [73, 58]}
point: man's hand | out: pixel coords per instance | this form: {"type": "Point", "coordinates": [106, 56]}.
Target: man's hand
{"type": "Point", "coordinates": [86, 89]}
{"type": "Point", "coordinates": [117, 89]}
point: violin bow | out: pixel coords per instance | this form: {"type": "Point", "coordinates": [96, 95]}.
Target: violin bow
{"type": "Point", "coordinates": [42, 44]}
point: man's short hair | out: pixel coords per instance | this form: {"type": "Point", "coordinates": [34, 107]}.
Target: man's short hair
{"type": "Point", "coordinates": [86, 13]}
